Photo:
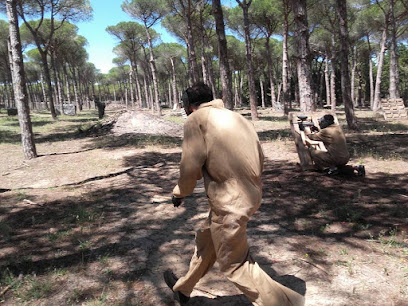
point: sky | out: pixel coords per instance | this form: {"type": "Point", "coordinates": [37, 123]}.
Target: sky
{"type": "Point", "coordinates": [100, 43]}
{"type": "Point", "coordinates": [106, 13]}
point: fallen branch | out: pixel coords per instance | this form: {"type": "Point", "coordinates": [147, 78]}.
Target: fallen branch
{"type": "Point", "coordinates": [20, 277]}
{"type": "Point", "coordinates": [32, 203]}
{"type": "Point", "coordinates": [314, 265]}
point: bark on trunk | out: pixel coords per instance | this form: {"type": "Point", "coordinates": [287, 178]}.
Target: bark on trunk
{"type": "Point", "coordinates": [57, 83]}
{"type": "Point", "coordinates": [176, 105]}
{"type": "Point", "coordinates": [270, 73]}
{"type": "Point", "coordinates": [203, 52]}
{"type": "Point", "coordinates": [285, 59]}
{"type": "Point", "coordinates": [139, 90]}
{"type": "Point", "coordinates": [371, 75]}
{"type": "Point", "coordinates": [236, 98]}
{"type": "Point", "coordinates": [251, 77]}
{"type": "Point", "coordinates": [18, 76]}
{"type": "Point", "coordinates": [193, 72]}
{"type": "Point", "coordinates": [303, 55]}
{"type": "Point", "coordinates": [344, 64]}
{"type": "Point", "coordinates": [353, 75]}
{"type": "Point", "coordinates": [153, 70]}
{"type": "Point", "coordinates": [327, 80]}
{"type": "Point", "coordinates": [333, 77]}
{"type": "Point", "coordinates": [132, 97]}
{"type": "Point", "coordinates": [225, 72]}
{"type": "Point", "coordinates": [211, 75]}
{"type": "Point", "coordinates": [146, 89]}
{"type": "Point", "coordinates": [394, 70]}
{"type": "Point", "coordinates": [67, 85]}
{"type": "Point", "coordinates": [380, 63]}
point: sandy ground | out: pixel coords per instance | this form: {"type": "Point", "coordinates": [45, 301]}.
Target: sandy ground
{"type": "Point", "coordinates": [92, 217]}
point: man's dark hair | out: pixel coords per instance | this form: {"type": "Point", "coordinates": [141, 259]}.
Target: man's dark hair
{"type": "Point", "coordinates": [326, 121]}
{"type": "Point", "coordinates": [329, 118]}
{"type": "Point", "coordinates": [197, 94]}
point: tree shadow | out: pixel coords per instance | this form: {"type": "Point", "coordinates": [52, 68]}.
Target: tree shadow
{"type": "Point", "coordinates": [34, 124]}
{"type": "Point", "coordinates": [373, 124]}
{"type": "Point", "coordinates": [282, 118]}
{"type": "Point", "coordinates": [275, 134]}
{"type": "Point", "coordinates": [117, 226]}
{"type": "Point", "coordinates": [376, 202]}
{"type": "Point", "coordinates": [136, 140]}
{"type": "Point", "coordinates": [57, 136]}
{"type": "Point", "coordinates": [232, 300]}
{"type": "Point", "coordinates": [119, 222]}
{"type": "Point", "coordinates": [10, 137]}
{"type": "Point", "coordinates": [386, 146]}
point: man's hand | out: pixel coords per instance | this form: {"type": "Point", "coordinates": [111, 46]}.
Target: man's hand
{"type": "Point", "coordinates": [177, 201]}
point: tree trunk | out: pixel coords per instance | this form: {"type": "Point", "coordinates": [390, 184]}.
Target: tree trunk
{"type": "Point", "coordinates": [262, 93]}
{"type": "Point", "coordinates": [353, 75]}
{"type": "Point", "coordinates": [8, 99]}
{"type": "Point", "coordinates": [147, 98]}
{"type": "Point", "coordinates": [203, 52]}
{"type": "Point", "coordinates": [29, 96]}
{"type": "Point", "coordinates": [114, 93]}
{"type": "Point", "coordinates": [193, 72]}
{"type": "Point", "coordinates": [303, 55]}
{"type": "Point", "coordinates": [176, 105]}
{"type": "Point", "coordinates": [57, 82]}
{"type": "Point", "coordinates": [151, 98]}
{"type": "Point", "coordinates": [18, 76]}
{"type": "Point", "coordinates": [250, 66]}
{"type": "Point", "coordinates": [211, 74]}
{"type": "Point", "coordinates": [344, 64]}
{"type": "Point", "coordinates": [77, 103]}
{"type": "Point", "coordinates": [327, 80]}
{"type": "Point", "coordinates": [371, 75]}
{"type": "Point", "coordinates": [67, 84]}
{"type": "Point", "coordinates": [132, 97]}
{"type": "Point", "coordinates": [279, 93]}
{"type": "Point", "coordinates": [139, 90]}
{"type": "Point", "coordinates": [270, 73]}
{"type": "Point", "coordinates": [236, 98]}
{"type": "Point", "coordinates": [153, 70]}
{"type": "Point", "coordinates": [126, 97]}
{"type": "Point", "coordinates": [241, 85]}
{"type": "Point", "coordinates": [360, 102]}
{"type": "Point", "coordinates": [285, 59]}
{"type": "Point", "coordinates": [394, 70]}
{"type": "Point", "coordinates": [333, 76]}
{"type": "Point", "coordinates": [225, 72]}
{"type": "Point", "coordinates": [380, 63]}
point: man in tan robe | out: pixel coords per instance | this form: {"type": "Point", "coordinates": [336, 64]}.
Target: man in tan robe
{"type": "Point", "coordinates": [336, 155]}
{"type": "Point", "coordinates": [223, 147]}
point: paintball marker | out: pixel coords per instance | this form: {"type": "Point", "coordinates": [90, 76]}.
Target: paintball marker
{"type": "Point", "coordinates": [303, 123]}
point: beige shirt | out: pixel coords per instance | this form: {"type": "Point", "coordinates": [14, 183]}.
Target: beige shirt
{"type": "Point", "coordinates": [222, 146]}
{"type": "Point", "coordinates": [335, 143]}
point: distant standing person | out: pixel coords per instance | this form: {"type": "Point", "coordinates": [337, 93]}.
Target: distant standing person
{"type": "Point", "coordinates": [223, 147]}
{"type": "Point", "coordinates": [101, 107]}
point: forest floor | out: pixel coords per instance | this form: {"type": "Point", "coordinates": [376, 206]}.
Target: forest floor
{"type": "Point", "coordinates": [90, 221]}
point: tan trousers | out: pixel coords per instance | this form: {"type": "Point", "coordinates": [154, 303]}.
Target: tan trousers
{"type": "Point", "coordinates": [325, 160]}
{"type": "Point", "coordinates": [224, 239]}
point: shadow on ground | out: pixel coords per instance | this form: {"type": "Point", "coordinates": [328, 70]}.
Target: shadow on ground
{"type": "Point", "coordinates": [118, 222]}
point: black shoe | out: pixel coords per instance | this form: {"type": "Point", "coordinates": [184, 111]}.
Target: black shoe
{"type": "Point", "coordinates": [333, 171]}
{"type": "Point", "coordinates": [361, 171]}
{"type": "Point", "coordinates": [171, 280]}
